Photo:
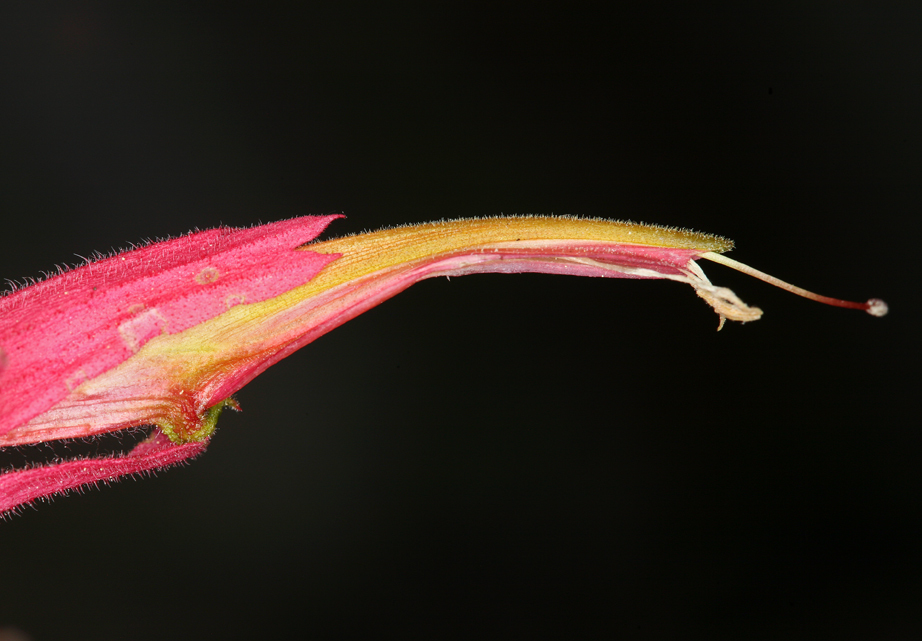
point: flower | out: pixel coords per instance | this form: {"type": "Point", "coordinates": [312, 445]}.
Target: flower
{"type": "Point", "coordinates": [164, 335]}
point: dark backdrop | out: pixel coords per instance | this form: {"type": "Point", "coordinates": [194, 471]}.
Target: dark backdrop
{"type": "Point", "coordinates": [497, 455]}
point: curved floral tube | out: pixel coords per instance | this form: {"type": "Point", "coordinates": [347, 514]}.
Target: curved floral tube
{"type": "Point", "coordinates": [164, 335]}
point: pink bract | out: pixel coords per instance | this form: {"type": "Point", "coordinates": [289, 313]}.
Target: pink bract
{"type": "Point", "coordinates": [73, 327]}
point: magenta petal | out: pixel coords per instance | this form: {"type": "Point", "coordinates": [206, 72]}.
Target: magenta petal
{"type": "Point", "coordinates": [73, 327]}
{"type": "Point", "coordinates": [157, 452]}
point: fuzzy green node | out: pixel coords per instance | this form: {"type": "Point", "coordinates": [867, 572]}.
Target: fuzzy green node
{"type": "Point", "coordinates": [207, 422]}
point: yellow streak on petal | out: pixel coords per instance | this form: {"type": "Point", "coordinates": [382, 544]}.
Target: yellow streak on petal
{"type": "Point", "coordinates": [367, 253]}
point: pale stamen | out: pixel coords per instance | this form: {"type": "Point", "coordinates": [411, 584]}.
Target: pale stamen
{"type": "Point", "coordinates": [874, 306]}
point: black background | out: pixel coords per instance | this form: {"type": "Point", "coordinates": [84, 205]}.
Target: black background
{"type": "Point", "coordinates": [498, 455]}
